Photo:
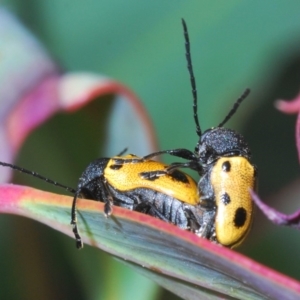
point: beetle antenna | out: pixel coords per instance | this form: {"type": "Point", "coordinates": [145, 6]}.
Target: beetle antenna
{"type": "Point", "coordinates": [192, 78]}
{"type": "Point", "coordinates": [235, 107]}
{"type": "Point", "coordinates": [37, 175]}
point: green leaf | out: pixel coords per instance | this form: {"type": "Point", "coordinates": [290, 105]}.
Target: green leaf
{"type": "Point", "coordinates": [189, 266]}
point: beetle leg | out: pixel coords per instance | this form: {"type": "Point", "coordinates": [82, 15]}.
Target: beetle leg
{"type": "Point", "coordinates": [174, 166]}
{"type": "Point", "coordinates": [108, 199]}
{"type": "Point", "coordinates": [182, 153]}
{"type": "Point", "coordinates": [79, 243]}
{"type": "Point", "coordinates": [207, 228]}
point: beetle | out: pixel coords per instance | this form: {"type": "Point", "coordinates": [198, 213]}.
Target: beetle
{"type": "Point", "coordinates": [172, 198]}
{"type": "Point", "coordinates": [222, 158]}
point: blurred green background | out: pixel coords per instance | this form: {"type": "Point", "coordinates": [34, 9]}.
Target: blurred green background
{"type": "Point", "coordinates": [235, 44]}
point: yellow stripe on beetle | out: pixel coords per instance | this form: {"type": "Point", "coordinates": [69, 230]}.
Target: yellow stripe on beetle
{"type": "Point", "coordinates": [176, 184]}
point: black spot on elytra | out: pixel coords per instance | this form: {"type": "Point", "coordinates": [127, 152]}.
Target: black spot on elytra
{"type": "Point", "coordinates": [240, 217]}
{"type": "Point", "coordinates": [179, 176]}
{"type": "Point", "coordinates": [151, 176]}
{"type": "Point", "coordinates": [116, 167]}
{"type": "Point", "coordinates": [226, 166]}
{"type": "Point", "coordinates": [225, 198]}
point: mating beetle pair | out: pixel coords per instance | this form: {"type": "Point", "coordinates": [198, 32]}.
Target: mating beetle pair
{"type": "Point", "coordinates": [219, 207]}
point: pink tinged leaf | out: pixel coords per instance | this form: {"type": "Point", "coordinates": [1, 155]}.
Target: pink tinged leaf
{"type": "Point", "coordinates": [187, 265]}
{"type": "Point", "coordinates": [24, 65]}
{"type": "Point", "coordinates": [32, 90]}
{"type": "Point", "coordinates": [292, 107]}
{"type": "Point", "coordinates": [289, 107]}
{"type": "Point", "coordinates": [292, 220]}
{"type": "Point", "coordinates": [129, 124]}
{"type": "Point", "coordinates": [24, 62]}
{"type": "Point", "coordinates": [71, 92]}
{"type": "Point", "coordinates": [32, 110]}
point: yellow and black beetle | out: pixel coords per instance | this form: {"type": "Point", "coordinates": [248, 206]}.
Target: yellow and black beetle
{"type": "Point", "coordinates": [222, 159]}
{"type": "Point", "coordinates": [173, 198]}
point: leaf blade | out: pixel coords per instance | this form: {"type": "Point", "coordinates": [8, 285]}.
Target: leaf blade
{"type": "Point", "coordinates": [167, 251]}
